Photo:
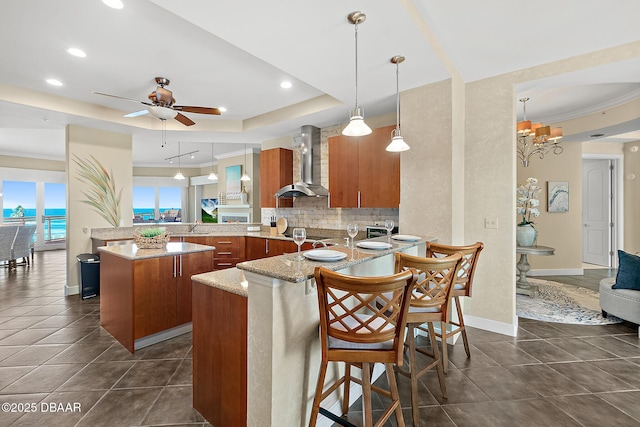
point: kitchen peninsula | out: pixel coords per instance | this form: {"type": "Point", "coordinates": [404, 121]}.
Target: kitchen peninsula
{"type": "Point", "coordinates": [256, 348]}
{"type": "Point", "coordinates": [145, 294]}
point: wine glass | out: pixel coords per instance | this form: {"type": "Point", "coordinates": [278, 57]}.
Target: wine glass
{"type": "Point", "coordinates": [299, 236]}
{"type": "Point", "coordinates": [388, 224]}
{"type": "Point", "coordinates": [352, 231]}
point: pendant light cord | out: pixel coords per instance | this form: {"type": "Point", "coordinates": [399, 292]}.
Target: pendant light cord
{"type": "Point", "coordinates": [397, 96]}
{"type": "Point", "coordinates": [356, 39]}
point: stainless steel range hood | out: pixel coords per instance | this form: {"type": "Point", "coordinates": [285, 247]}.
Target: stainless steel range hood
{"type": "Point", "coordinates": [310, 167]}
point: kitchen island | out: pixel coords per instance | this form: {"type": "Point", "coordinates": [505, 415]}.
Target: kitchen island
{"type": "Point", "coordinates": [256, 348]}
{"type": "Point", "coordinates": [145, 294]}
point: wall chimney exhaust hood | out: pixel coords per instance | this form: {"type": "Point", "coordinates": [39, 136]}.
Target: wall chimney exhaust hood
{"type": "Point", "coordinates": [310, 167]}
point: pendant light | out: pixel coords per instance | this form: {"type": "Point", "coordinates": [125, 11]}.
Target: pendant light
{"type": "Point", "coordinates": [397, 143]}
{"type": "Point", "coordinates": [179, 175]}
{"type": "Point", "coordinates": [212, 175]}
{"type": "Point", "coordinates": [244, 176]}
{"type": "Point", "coordinates": [356, 126]}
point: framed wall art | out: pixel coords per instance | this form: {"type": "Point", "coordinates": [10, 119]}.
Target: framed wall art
{"type": "Point", "coordinates": [558, 196]}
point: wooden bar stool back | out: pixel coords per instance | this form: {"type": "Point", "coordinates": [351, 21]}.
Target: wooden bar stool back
{"type": "Point", "coordinates": [462, 288]}
{"type": "Point", "coordinates": [429, 303]}
{"type": "Point", "coordinates": [356, 330]}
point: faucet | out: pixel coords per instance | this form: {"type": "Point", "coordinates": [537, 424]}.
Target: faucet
{"type": "Point", "coordinates": [193, 226]}
{"type": "Point", "coordinates": [320, 242]}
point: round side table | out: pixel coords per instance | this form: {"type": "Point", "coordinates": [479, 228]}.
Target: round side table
{"type": "Point", "coordinates": [523, 286]}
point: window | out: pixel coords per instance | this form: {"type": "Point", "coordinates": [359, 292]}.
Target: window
{"type": "Point", "coordinates": [157, 204]}
{"type": "Point", "coordinates": [19, 202]}
{"type": "Point", "coordinates": [55, 211]}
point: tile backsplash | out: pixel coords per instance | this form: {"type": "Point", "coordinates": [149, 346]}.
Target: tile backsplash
{"type": "Point", "coordinates": [312, 212]}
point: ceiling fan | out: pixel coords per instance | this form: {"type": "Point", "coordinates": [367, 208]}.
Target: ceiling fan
{"type": "Point", "coordinates": [162, 105]}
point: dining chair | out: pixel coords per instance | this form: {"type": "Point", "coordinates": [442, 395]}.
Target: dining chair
{"type": "Point", "coordinates": [461, 288]}
{"type": "Point", "coordinates": [7, 237]}
{"type": "Point", "coordinates": [23, 243]}
{"type": "Point", "coordinates": [362, 322]}
{"type": "Point", "coordinates": [429, 304]}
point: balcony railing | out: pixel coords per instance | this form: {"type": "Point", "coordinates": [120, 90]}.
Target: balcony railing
{"type": "Point", "coordinates": [55, 226]}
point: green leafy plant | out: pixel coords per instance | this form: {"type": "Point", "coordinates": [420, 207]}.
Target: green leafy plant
{"type": "Point", "coordinates": [152, 231]}
{"type": "Point", "coordinates": [101, 193]}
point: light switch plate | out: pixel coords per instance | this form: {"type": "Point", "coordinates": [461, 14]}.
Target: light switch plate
{"type": "Point", "coordinates": [491, 223]}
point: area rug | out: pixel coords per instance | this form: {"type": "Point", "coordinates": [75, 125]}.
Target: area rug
{"type": "Point", "coordinates": [562, 303]}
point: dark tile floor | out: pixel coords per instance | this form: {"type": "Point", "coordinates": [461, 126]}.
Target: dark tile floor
{"type": "Point", "coordinates": [53, 352]}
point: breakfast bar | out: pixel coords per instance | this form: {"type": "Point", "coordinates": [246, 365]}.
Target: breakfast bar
{"type": "Point", "coordinates": [256, 349]}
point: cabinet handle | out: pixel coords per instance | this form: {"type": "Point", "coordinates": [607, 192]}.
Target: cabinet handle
{"type": "Point", "coordinates": [180, 265]}
{"type": "Point", "coordinates": [358, 199]}
{"type": "Point", "coordinates": [225, 253]}
{"type": "Point", "coordinates": [266, 241]}
{"type": "Point", "coordinates": [224, 263]}
{"type": "Point", "coordinates": [174, 266]}
{"type": "Point", "coordinates": [328, 199]}
{"type": "Point", "coordinates": [223, 243]}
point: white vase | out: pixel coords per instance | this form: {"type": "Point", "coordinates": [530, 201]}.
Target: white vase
{"type": "Point", "coordinates": [244, 197]}
{"type": "Point", "coordinates": [526, 235]}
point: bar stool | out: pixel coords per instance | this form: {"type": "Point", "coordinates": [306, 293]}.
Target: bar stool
{"type": "Point", "coordinates": [429, 303]}
{"type": "Point", "coordinates": [356, 330]}
{"type": "Point", "coordinates": [461, 288]}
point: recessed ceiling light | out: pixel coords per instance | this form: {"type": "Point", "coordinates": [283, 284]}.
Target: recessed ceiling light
{"type": "Point", "coordinates": [54, 82]}
{"type": "Point", "coordinates": [222, 109]}
{"type": "Point", "coordinates": [77, 52]}
{"type": "Point", "coordinates": [116, 4]}
{"type": "Point", "coordinates": [286, 85]}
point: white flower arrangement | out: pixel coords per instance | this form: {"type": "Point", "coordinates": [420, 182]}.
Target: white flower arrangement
{"type": "Point", "coordinates": [527, 202]}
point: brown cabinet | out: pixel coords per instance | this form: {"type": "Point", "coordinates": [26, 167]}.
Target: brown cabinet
{"type": "Point", "coordinates": [362, 174]}
{"type": "Point", "coordinates": [228, 250]}
{"type": "Point", "coordinates": [220, 355]}
{"type": "Point", "coordinates": [146, 296]}
{"type": "Point", "coordinates": [276, 171]}
{"type": "Point", "coordinates": [260, 247]}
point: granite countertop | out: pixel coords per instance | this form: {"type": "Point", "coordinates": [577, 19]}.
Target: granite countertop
{"type": "Point", "coordinates": [132, 252]}
{"type": "Point", "coordinates": [230, 280]}
{"type": "Point", "coordinates": [223, 230]}
{"type": "Point", "coordinates": [288, 268]}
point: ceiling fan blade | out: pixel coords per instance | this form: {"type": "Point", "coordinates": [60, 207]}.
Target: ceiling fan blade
{"type": "Point", "coordinates": [122, 97]}
{"type": "Point", "coordinates": [137, 113]}
{"type": "Point", "coordinates": [199, 110]}
{"type": "Point", "coordinates": [185, 120]}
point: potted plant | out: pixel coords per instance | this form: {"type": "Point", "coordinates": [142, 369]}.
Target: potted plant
{"type": "Point", "coordinates": [526, 234]}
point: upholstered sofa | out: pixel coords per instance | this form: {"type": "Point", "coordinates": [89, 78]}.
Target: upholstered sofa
{"type": "Point", "coordinates": [623, 300]}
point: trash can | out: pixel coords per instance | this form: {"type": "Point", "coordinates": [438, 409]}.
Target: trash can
{"type": "Point", "coordinates": [89, 274]}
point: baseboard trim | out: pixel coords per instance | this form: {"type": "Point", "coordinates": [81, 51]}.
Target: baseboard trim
{"type": "Point", "coordinates": [71, 290]}
{"type": "Point", "coordinates": [557, 272]}
{"type": "Point", "coordinates": [492, 325]}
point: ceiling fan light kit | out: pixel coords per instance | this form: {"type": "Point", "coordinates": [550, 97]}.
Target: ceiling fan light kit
{"type": "Point", "coordinates": [356, 126]}
{"type": "Point", "coordinates": [535, 139]}
{"type": "Point", "coordinates": [162, 105]}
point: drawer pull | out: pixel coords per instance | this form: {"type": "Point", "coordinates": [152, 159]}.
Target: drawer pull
{"type": "Point", "coordinates": [224, 263]}
{"type": "Point", "coordinates": [224, 243]}
{"type": "Point", "coordinates": [225, 253]}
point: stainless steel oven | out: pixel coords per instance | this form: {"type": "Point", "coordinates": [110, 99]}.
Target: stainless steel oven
{"type": "Point", "coordinates": [378, 231]}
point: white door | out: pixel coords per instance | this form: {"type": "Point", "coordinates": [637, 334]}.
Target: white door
{"type": "Point", "coordinates": [596, 212]}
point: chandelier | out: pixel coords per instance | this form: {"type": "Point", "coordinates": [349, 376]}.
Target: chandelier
{"type": "Point", "coordinates": [536, 139]}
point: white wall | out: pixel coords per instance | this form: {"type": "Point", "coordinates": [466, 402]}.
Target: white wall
{"type": "Point", "coordinates": [113, 151]}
